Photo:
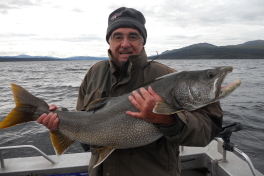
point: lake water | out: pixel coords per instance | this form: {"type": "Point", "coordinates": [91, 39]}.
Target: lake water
{"type": "Point", "coordinates": [58, 81]}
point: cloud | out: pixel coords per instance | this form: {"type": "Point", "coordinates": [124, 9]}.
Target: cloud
{"type": "Point", "coordinates": [79, 38]}
{"type": "Point", "coordinates": [82, 39]}
{"type": "Point", "coordinates": [4, 6]}
{"type": "Point", "coordinates": [7, 5]}
{"type": "Point", "coordinates": [4, 12]}
{"type": "Point", "coordinates": [175, 24]}
{"type": "Point", "coordinates": [65, 26]}
{"type": "Point", "coordinates": [204, 12]}
{"type": "Point", "coordinates": [7, 35]}
{"type": "Point", "coordinates": [77, 10]}
{"type": "Point", "coordinates": [8, 39]}
{"type": "Point", "coordinates": [180, 37]}
{"type": "Point", "coordinates": [71, 39]}
{"type": "Point", "coordinates": [10, 4]}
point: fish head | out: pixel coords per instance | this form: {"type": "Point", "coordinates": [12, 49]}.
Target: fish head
{"type": "Point", "coordinates": [195, 89]}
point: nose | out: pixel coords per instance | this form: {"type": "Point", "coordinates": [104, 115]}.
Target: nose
{"type": "Point", "coordinates": [125, 43]}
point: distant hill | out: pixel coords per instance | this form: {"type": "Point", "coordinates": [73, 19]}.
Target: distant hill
{"type": "Point", "coordinates": [253, 43]}
{"type": "Point", "coordinates": [46, 58]}
{"type": "Point", "coordinates": [86, 58]}
{"type": "Point", "coordinates": [27, 58]}
{"type": "Point", "coordinates": [247, 50]}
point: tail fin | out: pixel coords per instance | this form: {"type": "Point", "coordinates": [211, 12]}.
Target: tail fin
{"type": "Point", "coordinates": [28, 108]}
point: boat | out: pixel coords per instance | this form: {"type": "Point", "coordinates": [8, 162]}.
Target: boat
{"type": "Point", "coordinates": [216, 159]}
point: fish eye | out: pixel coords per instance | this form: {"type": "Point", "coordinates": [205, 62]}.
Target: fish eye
{"type": "Point", "coordinates": [210, 74]}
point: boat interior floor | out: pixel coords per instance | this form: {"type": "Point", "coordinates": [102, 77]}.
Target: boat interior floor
{"type": "Point", "coordinates": [196, 172]}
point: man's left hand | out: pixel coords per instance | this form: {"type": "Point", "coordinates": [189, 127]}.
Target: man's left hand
{"type": "Point", "coordinates": [145, 102]}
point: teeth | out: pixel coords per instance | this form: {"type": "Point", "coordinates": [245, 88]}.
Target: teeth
{"type": "Point", "coordinates": [231, 85]}
{"type": "Point", "coordinates": [226, 90]}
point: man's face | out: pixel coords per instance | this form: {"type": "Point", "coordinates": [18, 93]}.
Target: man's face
{"type": "Point", "coordinates": [122, 49]}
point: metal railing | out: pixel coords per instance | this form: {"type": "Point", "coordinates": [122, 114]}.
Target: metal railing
{"type": "Point", "coordinates": [247, 160]}
{"type": "Point", "coordinates": [19, 147]}
{"type": "Point", "coordinates": [227, 145]}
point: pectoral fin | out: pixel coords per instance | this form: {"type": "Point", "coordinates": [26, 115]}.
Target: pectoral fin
{"type": "Point", "coordinates": [60, 142]}
{"type": "Point", "coordinates": [97, 104]}
{"type": "Point", "coordinates": [103, 154]}
{"type": "Point", "coordinates": [162, 107]}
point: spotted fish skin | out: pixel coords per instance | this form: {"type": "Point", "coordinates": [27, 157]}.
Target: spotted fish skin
{"type": "Point", "coordinates": [119, 131]}
{"type": "Point", "coordinates": [105, 123]}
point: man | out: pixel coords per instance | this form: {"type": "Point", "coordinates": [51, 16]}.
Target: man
{"type": "Point", "coordinates": [126, 70]}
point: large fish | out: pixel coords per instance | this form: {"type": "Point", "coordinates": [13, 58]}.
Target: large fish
{"type": "Point", "coordinates": [105, 123]}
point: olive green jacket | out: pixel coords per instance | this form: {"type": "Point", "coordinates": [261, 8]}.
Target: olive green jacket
{"type": "Point", "coordinates": [160, 158]}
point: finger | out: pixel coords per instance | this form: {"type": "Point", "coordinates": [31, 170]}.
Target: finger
{"type": "Point", "coordinates": [150, 100]}
{"type": "Point", "coordinates": [51, 120]}
{"type": "Point", "coordinates": [134, 114]}
{"type": "Point", "coordinates": [55, 124]}
{"type": "Point", "coordinates": [137, 96]}
{"type": "Point", "coordinates": [40, 119]}
{"type": "Point", "coordinates": [53, 107]}
{"type": "Point", "coordinates": [145, 94]}
{"type": "Point", "coordinates": [154, 94]}
{"type": "Point", "coordinates": [46, 120]}
{"type": "Point", "coordinates": [134, 102]}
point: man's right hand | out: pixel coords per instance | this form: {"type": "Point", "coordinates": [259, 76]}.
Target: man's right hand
{"type": "Point", "coordinates": [50, 120]}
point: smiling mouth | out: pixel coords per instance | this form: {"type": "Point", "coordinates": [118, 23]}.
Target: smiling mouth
{"type": "Point", "coordinates": [125, 53]}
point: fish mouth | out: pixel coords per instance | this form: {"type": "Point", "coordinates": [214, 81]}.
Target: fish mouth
{"type": "Point", "coordinates": [229, 88]}
{"type": "Point", "coordinates": [225, 90]}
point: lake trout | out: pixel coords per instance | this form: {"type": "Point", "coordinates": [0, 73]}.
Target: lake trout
{"type": "Point", "coordinates": [105, 122]}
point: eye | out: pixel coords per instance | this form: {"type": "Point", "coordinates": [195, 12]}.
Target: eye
{"type": "Point", "coordinates": [132, 37]}
{"type": "Point", "coordinates": [210, 74]}
{"type": "Point", "coordinates": [118, 37]}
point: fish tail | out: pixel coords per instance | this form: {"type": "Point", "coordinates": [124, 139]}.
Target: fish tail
{"type": "Point", "coordinates": [28, 108]}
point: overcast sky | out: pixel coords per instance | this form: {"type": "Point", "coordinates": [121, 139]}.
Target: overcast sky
{"type": "Point", "coordinates": [65, 28]}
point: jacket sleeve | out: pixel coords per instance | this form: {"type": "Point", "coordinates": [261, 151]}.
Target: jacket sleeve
{"type": "Point", "coordinates": [81, 95]}
{"type": "Point", "coordinates": [199, 126]}
{"type": "Point", "coordinates": [83, 90]}
{"type": "Point", "coordinates": [89, 88]}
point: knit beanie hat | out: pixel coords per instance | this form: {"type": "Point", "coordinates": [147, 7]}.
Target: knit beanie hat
{"type": "Point", "coordinates": [126, 17]}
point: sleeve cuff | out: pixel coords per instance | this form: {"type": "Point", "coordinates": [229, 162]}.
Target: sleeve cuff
{"type": "Point", "coordinates": [173, 129]}
{"type": "Point", "coordinates": [64, 109]}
